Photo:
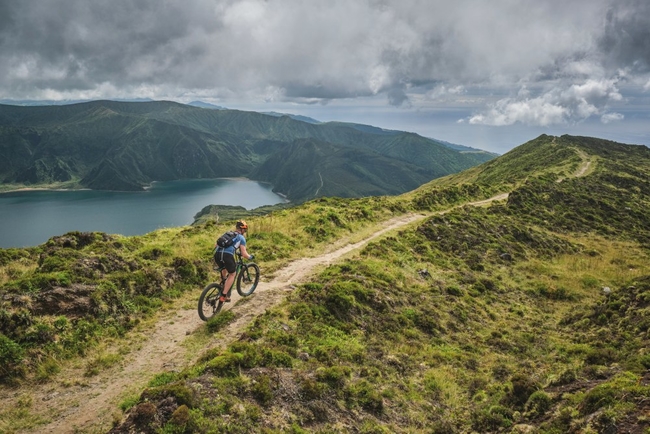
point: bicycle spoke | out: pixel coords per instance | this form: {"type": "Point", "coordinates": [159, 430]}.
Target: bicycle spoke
{"type": "Point", "coordinates": [208, 301]}
{"type": "Point", "coordinates": [248, 279]}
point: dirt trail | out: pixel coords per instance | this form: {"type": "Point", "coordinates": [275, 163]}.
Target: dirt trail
{"type": "Point", "coordinates": [584, 167]}
{"type": "Point", "coordinates": [89, 406]}
{"type": "Point", "coordinates": [586, 164]}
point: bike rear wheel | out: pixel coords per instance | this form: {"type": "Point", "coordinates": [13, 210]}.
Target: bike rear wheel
{"type": "Point", "coordinates": [248, 278]}
{"type": "Point", "coordinates": [209, 304]}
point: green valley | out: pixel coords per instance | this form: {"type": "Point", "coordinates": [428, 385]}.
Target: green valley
{"type": "Point", "coordinates": [516, 300]}
{"type": "Point", "coordinates": [109, 145]}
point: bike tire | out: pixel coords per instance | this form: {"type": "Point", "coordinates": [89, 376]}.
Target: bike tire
{"type": "Point", "coordinates": [248, 278]}
{"type": "Point", "coordinates": [209, 304]}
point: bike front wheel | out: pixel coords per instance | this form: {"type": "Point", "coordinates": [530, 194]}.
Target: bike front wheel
{"type": "Point", "coordinates": [248, 278]}
{"type": "Point", "coordinates": [209, 304]}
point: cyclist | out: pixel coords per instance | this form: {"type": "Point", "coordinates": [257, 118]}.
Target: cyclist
{"type": "Point", "coordinates": [225, 258]}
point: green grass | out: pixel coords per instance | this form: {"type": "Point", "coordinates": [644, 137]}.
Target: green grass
{"type": "Point", "coordinates": [476, 319]}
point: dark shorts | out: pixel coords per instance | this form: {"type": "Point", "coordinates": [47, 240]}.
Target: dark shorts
{"type": "Point", "coordinates": [225, 260]}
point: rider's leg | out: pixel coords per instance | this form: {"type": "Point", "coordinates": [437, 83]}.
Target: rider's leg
{"type": "Point", "coordinates": [230, 269]}
{"type": "Point", "coordinates": [227, 286]}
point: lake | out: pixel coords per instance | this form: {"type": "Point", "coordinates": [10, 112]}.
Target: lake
{"type": "Point", "coordinates": [30, 218]}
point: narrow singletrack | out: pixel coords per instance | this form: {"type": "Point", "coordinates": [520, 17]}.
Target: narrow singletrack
{"type": "Point", "coordinates": [90, 405]}
{"type": "Point", "coordinates": [584, 167]}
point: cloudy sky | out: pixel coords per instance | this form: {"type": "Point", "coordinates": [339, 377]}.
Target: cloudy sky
{"type": "Point", "coordinates": [489, 74]}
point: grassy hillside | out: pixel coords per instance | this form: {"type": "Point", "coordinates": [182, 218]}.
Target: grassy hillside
{"type": "Point", "coordinates": [529, 314]}
{"type": "Point", "coordinates": [125, 146]}
{"type": "Point", "coordinates": [310, 168]}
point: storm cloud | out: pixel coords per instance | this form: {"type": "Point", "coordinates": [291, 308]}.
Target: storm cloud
{"type": "Point", "coordinates": [529, 62]}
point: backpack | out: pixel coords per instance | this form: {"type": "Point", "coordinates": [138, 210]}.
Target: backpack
{"type": "Point", "coordinates": [227, 239]}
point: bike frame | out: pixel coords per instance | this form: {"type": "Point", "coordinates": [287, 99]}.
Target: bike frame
{"type": "Point", "coordinates": [247, 276]}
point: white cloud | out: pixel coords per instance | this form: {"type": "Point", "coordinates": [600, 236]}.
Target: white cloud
{"type": "Point", "coordinates": [573, 104]}
{"type": "Point", "coordinates": [611, 117]}
{"type": "Point", "coordinates": [535, 111]}
{"type": "Point", "coordinates": [441, 90]}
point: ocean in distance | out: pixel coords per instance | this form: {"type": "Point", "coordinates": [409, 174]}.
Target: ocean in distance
{"type": "Point", "coordinates": [30, 218]}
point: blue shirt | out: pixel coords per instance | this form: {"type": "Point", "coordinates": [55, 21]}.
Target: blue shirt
{"type": "Point", "coordinates": [239, 240]}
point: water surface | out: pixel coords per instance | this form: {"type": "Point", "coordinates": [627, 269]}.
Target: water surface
{"type": "Point", "coordinates": [29, 218]}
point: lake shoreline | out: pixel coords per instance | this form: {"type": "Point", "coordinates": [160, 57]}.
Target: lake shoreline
{"type": "Point", "coordinates": [32, 215]}
{"type": "Point", "coordinates": [144, 188]}
{"type": "Point", "coordinates": [24, 189]}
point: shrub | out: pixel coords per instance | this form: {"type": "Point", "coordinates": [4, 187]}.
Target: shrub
{"type": "Point", "coordinates": [598, 397]}
{"type": "Point", "coordinates": [144, 413]}
{"type": "Point", "coordinates": [155, 253]}
{"type": "Point", "coordinates": [180, 416]}
{"type": "Point", "coordinates": [339, 303]}
{"type": "Point", "coordinates": [275, 358]}
{"type": "Point", "coordinates": [364, 395]}
{"type": "Point", "coordinates": [162, 379]}
{"type": "Point", "coordinates": [11, 358]}
{"type": "Point", "coordinates": [219, 321]}
{"type": "Point", "coordinates": [538, 403]}
{"type": "Point", "coordinates": [47, 368]}
{"type": "Point", "coordinates": [226, 365]}
{"type": "Point", "coordinates": [335, 376]}
{"type": "Point", "coordinates": [187, 270]}
{"type": "Point", "coordinates": [492, 419]}
{"type": "Point", "coordinates": [455, 291]}
{"type": "Point", "coordinates": [311, 389]}
{"type": "Point", "coordinates": [183, 394]}
{"type": "Point", "coordinates": [262, 391]}
{"type": "Point", "coordinates": [601, 356]}
{"type": "Point", "coordinates": [54, 263]}
{"type": "Point", "coordinates": [551, 293]}
{"type": "Point", "coordinates": [522, 388]}
{"type": "Point", "coordinates": [645, 361]}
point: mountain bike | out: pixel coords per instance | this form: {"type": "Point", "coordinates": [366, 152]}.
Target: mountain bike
{"type": "Point", "coordinates": [247, 276]}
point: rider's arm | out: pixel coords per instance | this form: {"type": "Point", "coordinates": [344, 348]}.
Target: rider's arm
{"type": "Point", "coordinates": [243, 251]}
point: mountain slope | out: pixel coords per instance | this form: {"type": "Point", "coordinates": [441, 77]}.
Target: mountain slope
{"type": "Point", "coordinates": [524, 315]}
{"type": "Point", "coordinates": [125, 146]}
{"type": "Point", "coordinates": [310, 168]}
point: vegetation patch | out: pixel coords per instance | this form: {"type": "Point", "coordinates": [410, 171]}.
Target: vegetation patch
{"type": "Point", "coordinates": [527, 314]}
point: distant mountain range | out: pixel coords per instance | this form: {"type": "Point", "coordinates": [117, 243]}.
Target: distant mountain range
{"type": "Point", "coordinates": [121, 145]}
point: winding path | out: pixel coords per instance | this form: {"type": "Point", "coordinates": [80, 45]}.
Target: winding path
{"type": "Point", "coordinates": [90, 405]}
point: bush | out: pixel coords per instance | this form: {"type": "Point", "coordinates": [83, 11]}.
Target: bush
{"type": "Point", "coordinates": [538, 403]}
{"type": "Point", "coordinates": [11, 358]}
{"type": "Point", "coordinates": [262, 390]}
{"type": "Point", "coordinates": [335, 376]}
{"type": "Point", "coordinates": [226, 365]}
{"type": "Point", "coordinates": [339, 303]}
{"type": "Point", "coordinates": [180, 416]}
{"type": "Point", "coordinates": [601, 356]}
{"type": "Point", "coordinates": [364, 395]}
{"type": "Point", "coordinates": [163, 379]}
{"type": "Point", "coordinates": [598, 397]}
{"type": "Point", "coordinates": [183, 394]}
{"type": "Point", "coordinates": [492, 419]}
{"type": "Point", "coordinates": [219, 321]}
{"type": "Point", "coordinates": [187, 271]}
{"type": "Point", "coordinates": [522, 388]}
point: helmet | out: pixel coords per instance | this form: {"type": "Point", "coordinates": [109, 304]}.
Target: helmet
{"type": "Point", "coordinates": [241, 224]}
